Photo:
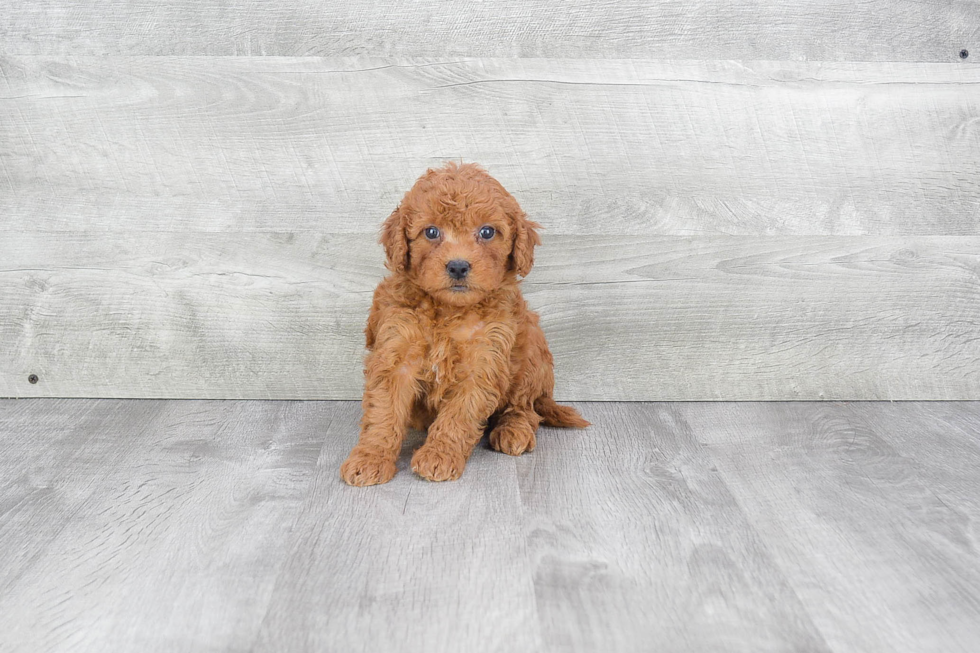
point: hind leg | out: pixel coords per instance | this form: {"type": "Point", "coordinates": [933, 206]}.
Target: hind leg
{"type": "Point", "coordinates": [514, 432]}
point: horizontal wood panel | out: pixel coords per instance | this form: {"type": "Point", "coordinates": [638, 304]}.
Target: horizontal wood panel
{"type": "Point", "coordinates": [587, 146]}
{"type": "Point", "coordinates": [874, 30]}
{"type": "Point", "coordinates": [280, 315]}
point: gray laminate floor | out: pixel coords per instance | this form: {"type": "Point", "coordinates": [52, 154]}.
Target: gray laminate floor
{"type": "Point", "coordinates": [138, 525]}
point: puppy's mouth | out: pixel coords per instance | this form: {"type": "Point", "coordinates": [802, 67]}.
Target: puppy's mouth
{"type": "Point", "coordinates": [458, 287]}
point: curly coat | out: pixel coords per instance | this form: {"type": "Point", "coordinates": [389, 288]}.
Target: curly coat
{"type": "Point", "coordinates": [453, 346]}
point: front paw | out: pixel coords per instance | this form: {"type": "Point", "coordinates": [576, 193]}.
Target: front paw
{"type": "Point", "coordinates": [363, 468]}
{"type": "Point", "coordinates": [437, 462]}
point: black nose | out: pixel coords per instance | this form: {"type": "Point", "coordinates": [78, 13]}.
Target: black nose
{"type": "Point", "coordinates": [458, 268]}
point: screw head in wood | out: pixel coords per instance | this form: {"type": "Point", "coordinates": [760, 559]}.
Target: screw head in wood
{"type": "Point", "coordinates": [32, 378]}
{"type": "Point", "coordinates": [964, 53]}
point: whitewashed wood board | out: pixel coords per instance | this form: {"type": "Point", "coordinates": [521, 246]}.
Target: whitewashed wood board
{"type": "Point", "coordinates": [409, 565]}
{"type": "Point", "coordinates": [267, 315]}
{"type": "Point", "coordinates": [149, 525]}
{"type": "Point", "coordinates": [669, 562]}
{"type": "Point", "coordinates": [863, 532]}
{"type": "Point", "coordinates": [873, 30]}
{"type": "Point", "coordinates": [160, 526]}
{"type": "Point", "coordinates": [587, 146]}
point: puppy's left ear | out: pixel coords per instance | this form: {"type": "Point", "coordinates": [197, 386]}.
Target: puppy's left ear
{"type": "Point", "coordinates": [525, 239]}
{"type": "Point", "coordinates": [395, 240]}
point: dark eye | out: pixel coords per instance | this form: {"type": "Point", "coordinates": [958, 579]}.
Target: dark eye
{"type": "Point", "coordinates": [431, 233]}
{"type": "Point", "coordinates": [487, 232]}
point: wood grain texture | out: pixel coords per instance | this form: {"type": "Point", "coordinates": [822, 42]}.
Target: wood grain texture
{"type": "Point", "coordinates": [49, 449]}
{"type": "Point", "coordinates": [678, 318]}
{"type": "Point", "coordinates": [875, 30]}
{"type": "Point", "coordinates": [224, 526]}
{"type": "Point", "coordinates": [942, 443]}
{"type": "Point", "coordinates": [410, 565]}
{"type": "Point", "coordinates": [879, 559]}
{"type": "Point", "coordinates": [587, 146]}
{"type": "Point", "coordinates": [150, 526]}
{"type": "Point", "coordinates": [637, 545]}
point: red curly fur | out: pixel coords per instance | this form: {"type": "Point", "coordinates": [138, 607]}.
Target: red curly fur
{"type": "Point", "coordinates": [450, 355]}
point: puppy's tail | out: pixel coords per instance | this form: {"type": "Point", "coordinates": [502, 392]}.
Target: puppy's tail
{"type": "Point", "coordinates": [553, 414]}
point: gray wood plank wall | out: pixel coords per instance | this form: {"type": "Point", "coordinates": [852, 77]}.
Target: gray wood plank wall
{"type": "Point", "coordinates": [871, 30]}
{"type": "Point", "coordinates": [741, 201]}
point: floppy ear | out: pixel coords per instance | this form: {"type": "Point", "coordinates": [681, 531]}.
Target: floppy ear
{"type": "Point", "coordinates": [395, 241]}
{"type": "Point", "coordinates": [525, 238]}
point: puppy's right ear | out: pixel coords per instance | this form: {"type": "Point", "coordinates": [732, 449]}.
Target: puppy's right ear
{"type": "Point", "coordinates": [395, 240]}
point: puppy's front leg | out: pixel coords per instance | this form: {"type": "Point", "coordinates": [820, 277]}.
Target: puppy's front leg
{"type": "Point", "coordinates": [390, 389]}
{"type": "Point", "coordinates": [462, 417]}
{"type": "Point", "coordinates": [455, 431]}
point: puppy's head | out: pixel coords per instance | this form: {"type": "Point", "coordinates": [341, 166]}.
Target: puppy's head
{"type": "Point", "coordinates": [458, 234]}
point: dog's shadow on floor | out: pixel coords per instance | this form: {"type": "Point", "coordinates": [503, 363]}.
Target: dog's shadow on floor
{"type": "Point", "coordinates": [415, 439]}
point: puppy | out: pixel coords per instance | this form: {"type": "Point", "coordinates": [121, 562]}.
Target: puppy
{"type": "Point", "coordinates": [453, 347]}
